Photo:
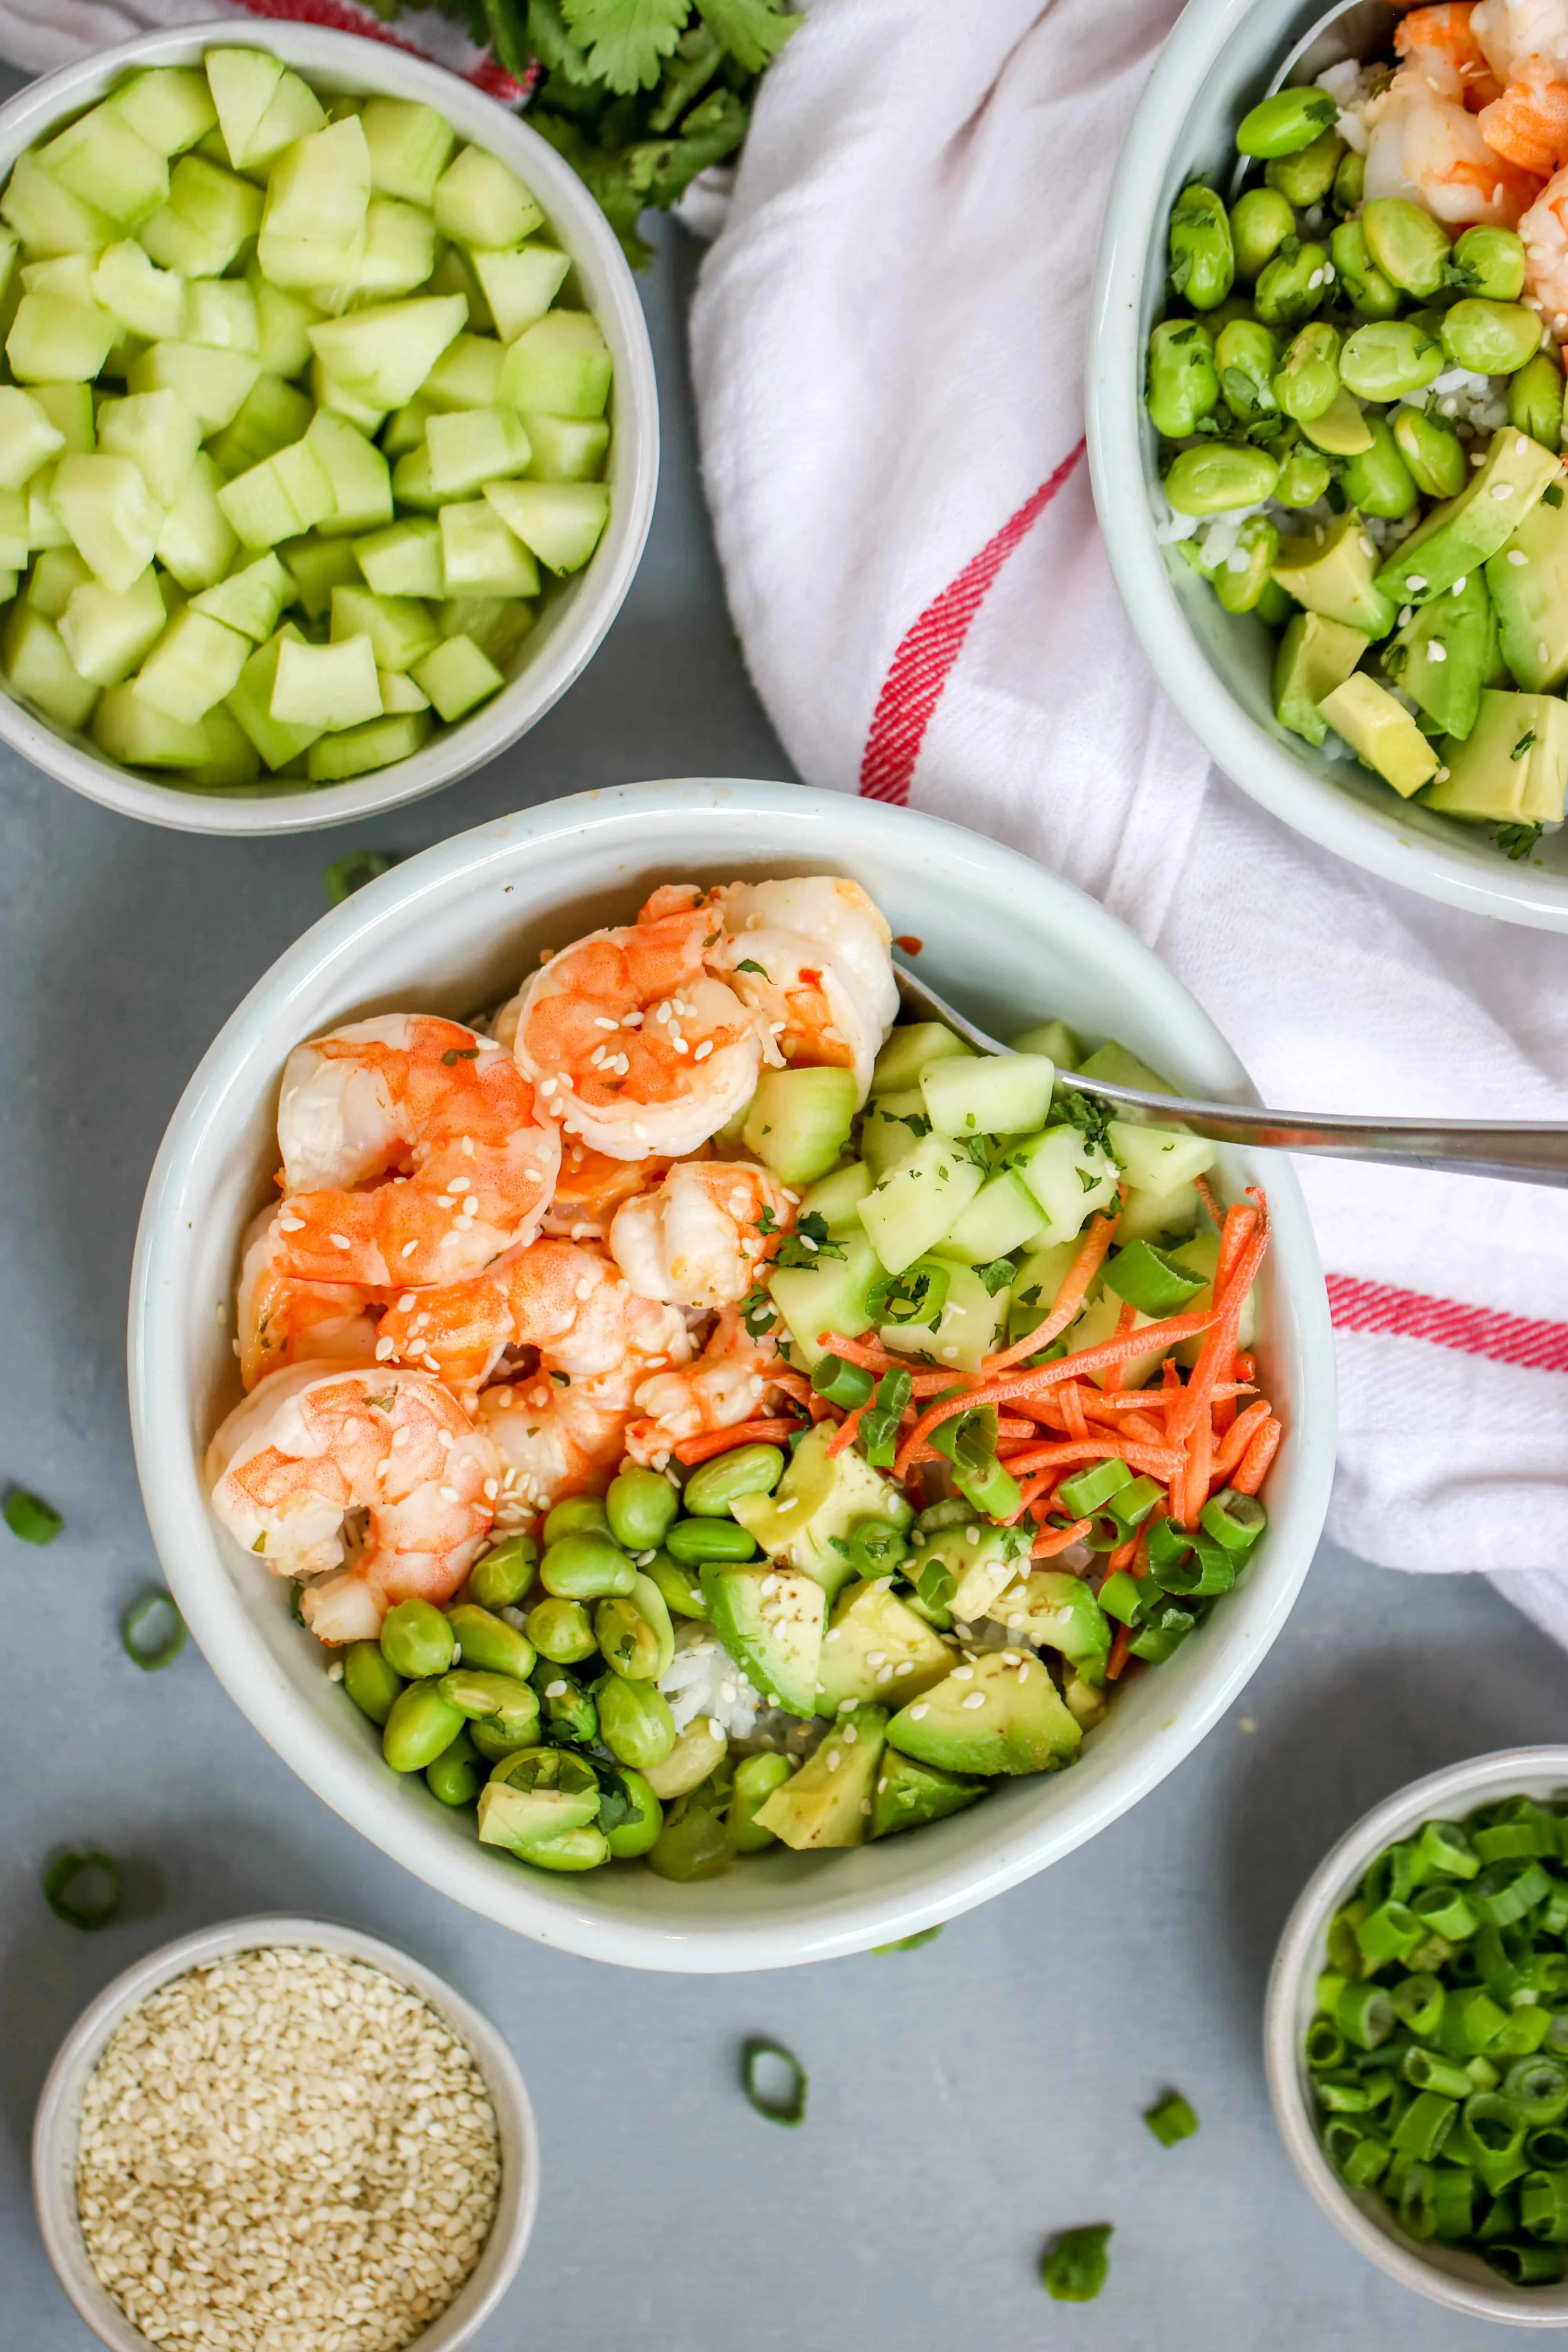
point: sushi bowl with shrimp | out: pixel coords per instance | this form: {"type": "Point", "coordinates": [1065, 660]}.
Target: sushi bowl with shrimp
{"type": "Point", "coordinates": [706, 1475]}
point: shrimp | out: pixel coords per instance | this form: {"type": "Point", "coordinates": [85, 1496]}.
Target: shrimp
{"type": "Point", "coordinates": [1426, 148]}
{"type": "Point", "coordinates": [1527, 125]}
{"type": "Point", "coordinates": [811, 957]}
{"type": "Point", "coordinates": [1442, 42]}
{"type": "Point", "coordinates": [632, 1045]}
{"type": "Point", "coordinates": [556, 1436]}
{"type": "Point", "coordinates": [1511, 32]}
{"type": "Point", "coordinates": [443, 1111]}
{"type": "Point", "coordinates": [701, 1239]}
{"type": "Point", "coordinates": [1545, 229]}
{"type": "Point", "coordinates": [726, 1385]}
{"type": "Point", "coordinates": [306, 1449]}
{"type": "Point", "coordinates": [591, 1186]}
{"type": "Point", "coordinates": [285, 1321]}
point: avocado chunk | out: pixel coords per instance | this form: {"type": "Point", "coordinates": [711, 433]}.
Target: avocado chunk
{"type": "Point", "coordinates": [1057, 1607]}
{"type": "Point", "coordinates": [828, 1801]}
{"type": "Point", "coordinates": [1463, 533]}
{"type": "Point", "coordinates": [964, 1567]}
{"type": "Point", "coordinates": [1529, 583]}
{"type": "Point", "coordinates": [876, 1649]}
{"type": "Point", "coordinates": [909, 1794]}
{"type": "Point", "coordinates": [1001, 1714]}
{"type": "Point", "coordinates": [1443, 654]}
{"type": "Point", "coordinates": [1342, 430]}
{"type": "Point", "coordinates": [1333, 575]}
{"type": "Point", "coordinates": [1315, 655]}
{"type": "Point", "coordinates": [820, 1496]}
{"type": "Point", "coordinates": [769, 1617]}
{"type": "Point", "coordinates": [1512, 767]}
{"type": "Point", "coordinates": [1382, 733]}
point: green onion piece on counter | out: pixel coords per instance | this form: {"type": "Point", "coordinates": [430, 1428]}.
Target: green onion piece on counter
{"type": "Point", "coordinates": [842, 1383]}
{"type": "Point", "coordinates": [83, 1889]}
{"type": "Point", "coordinates": [1172, 2119]}
{"type": "Point", "coordinates": [910, 1943]}
{"type": "Point", "coordinates": [152, 1631]}
{"type": "Point", "coordinates": [347, 875]}
{"type": "Point", "coordinates": [1076, 2264]}
{"type": "Point", "coordinates": [29, 1516]}
{"type": "Point", "coordinates": [774, 2082]}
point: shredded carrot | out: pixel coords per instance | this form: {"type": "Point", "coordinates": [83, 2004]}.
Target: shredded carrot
{"type": "Point", "coordinates": [1246, 1367]}
{"type": "Point", "coordinates": [1158, 1461]}
{"type": "Point", "coordinates": [1029, 1494]}
{"type": "Point", "coordinates": [1070, 1400]}
{"type": "Point", "coordinates": [1125, 1554]}
{"type": "Point", "coordinates": [1237, 1439]}
{"type": "Point", "coordinates": [856, 1351]}
{"type": "Point", "coordinates": [1200, 1458]}
{"type": "Point", "coordinates": [691, 1450]}
{"type": "Point", "coordinates": [1239, 1221]}
{"type": "Point", "coordinates": [1121, 1642]}
{"type": "Point", "coordinates": [1138, 1425]}
{"type": "Point", "coordinates": [1254, 1462]}
{"type": "Point", "coordinates": [1006, 1427]}
{"type": "Point", "coordinates": [1050, 1540]}
{"type": "Point", "coordinates": [820, 1409]}
{"type": "Point", "coordinates": [795, 1384]}
{"type": "Point", "coordinates": [1068, 1300]}
{"type": "Point", "coordinates": [1169, 1377]}
{"type": "Point", "coordinates": [844, 1434]}
{"type": "Point", "coordinates": [1216, 1357]}
{"type": "Point", "coordinates": [1118, 1373]}
{"type": "Point", "coordinates": [1204, 1192]}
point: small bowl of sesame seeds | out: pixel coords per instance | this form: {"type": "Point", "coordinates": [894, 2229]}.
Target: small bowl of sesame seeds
{"type": "Point", "coordinates": [279, 2135]}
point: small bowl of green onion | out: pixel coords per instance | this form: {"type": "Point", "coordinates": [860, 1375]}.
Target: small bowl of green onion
{"type": "Point", "coordinates": [1415, 2036]}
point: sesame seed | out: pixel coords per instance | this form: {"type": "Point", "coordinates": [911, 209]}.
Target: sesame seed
{"type": "Point", "coordinates": [558, 1689]}
{"type": "Point", "coordinates": [448, 1494]}
{"type": "Point", "coordinates": [1436, 651]}
{"type": "Point", "coordinates": [833, 1759]}
{"type": "Point", "coordinates": [975, 1698]}
{"type": "Point", "coordinates": [703, 1050]}
{"type": "Point", "coordinates": [290, 1225]}
{"type": "Point", "coordinates": [410, 1299]}
{"type": "Point", "coordinates": [1367, 549]}
{"type": "Point", "coordinates": [1501, 490]}
{"type": "Point", "coordinates": [335, 1670]}
{"type": "Point", "coordinates": [1444, 775]}
{"type": "Point", "coordinates": [850, 1735]}
{"type": "Point", "coordinates": [1517, 556]}
{"type": "Point", "coordinates": [865, 1805]}
{"type": "Point", "coordinates": [340, 1241]}
{"type": "Point", "coordinates": [383, 1348]}
{"type": "Point", "coordinates": [918, 1714]}
{"type": "Point", "coordinates": [1406, 615]}
{"type": "Point", "coordinates": [964, 1673]}
{"type": "Point", "coordinates": [408, 1249]}
{"type": "Point", "coordinates": [905, 1667]}
{"type": "Point", "coordinates": [1542, 651]}
{"type": "Point", "coordinates": [1416, 583]}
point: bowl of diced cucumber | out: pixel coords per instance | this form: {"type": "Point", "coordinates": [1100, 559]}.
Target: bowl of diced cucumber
{"type": "Point", "coordinates": [1219, 665]}
{"type": "Point", "coordinates": [329, 433]}
{"type": "Point", "coordinates": [1011, 945]}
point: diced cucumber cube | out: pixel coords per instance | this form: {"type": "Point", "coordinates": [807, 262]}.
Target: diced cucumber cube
{"type": "Point", "coordinates": [196, 544]}
{"type": "Point", "coordinates": [288, 494]}
{"type": "Point", "coordinates": [466, 375]}
{"type": "Point", "coordinates": [835, 1195]}
{"type": "Point", "coordinates": [520, 286]}
{"type": "Point", "coordinates": [1152, 1217]}
{"type": "Point", "coordinates": [293, 111]}
{"type": "Point", "coordinates": [250, 702]}
{"type": "Point", "coordinates": [478, 202]}
{"type": "Point", "coordinates": [168, 106]}
{"type": "Point", "coordinates": [242, 82]}
{"type": "Point", "coordinates": [14, 542]}
{"type": "Point", "coordinates": [799, 1121]}
{"type": "Point", "coordinates": [399, 627]}
{"type": "Point", "coordinates": [1119, 1067]}
{"type": "Point", "coordinates": [471, 447]}
{"type": "Point", "coordinates": [272, 415]}
{"type": "Point", "coordinates": [411, 484]}
{"type": "Point", "coordinates": [67, 277]}
{"type": "Point", "coordinates": [215, 384]}
{"type": "Point", "coordinates": [560, 521]}
{"type": "Point", "coordinates": [404, 560]}
{"type": "Point", "coordinates": [53, 342]}
{"type": "Point", "coordinates": [1055, 1040]}
{"type": "Point", "coordinates": [48, 218]}
{"type": "Point", "coordinates": [107, 635]}
{"type": "Point", "coordinates": [318, 566]}
{"type": "Point", "coordinates": [249, 600]}
{"type": "Point", "coordinates": [195, 664]}
{"type": "Point", "coordinates": [45, 528]}
{"type": "Point", "coordinates": [356, 472]}
{"type": "Point", "coordinates": [109, 165]}
{"type": "Point", "coordinates": [161, 436]}
{"type": "Point", "coordinates": [498, 624]}
{"type": "Point", "coordinates": [894, 1124]}
{"type": "Point", "coordinates": [562, 363]}
{"type": "Point", "coordinates": [40, 670]}
{"type": "Point", "coordinates": [997, 1093]}
{"type": "Point", "coordinates": [112, 517]}
{"type": "Point", "coordinates": [406, 430]}
{"type": "Point", "coordinates": [1158, 1158]}
{"type": "Point", "coordinates": [1098, 1323]}
{"type": "Point", "coordinates": [329, 686]}
{"type": "Point", "coordinates": [147, 301]}
{"type": "Point", "coordinates": [69, 409]}
{"type": "Point", "coordinates": [386, 352]}
{"type": "Point", "coordinates": [283, 345]}
{"type": "Point", "coordinates": [916, 1203]}
{"type": "Point", "coordinates": [410, 146]}
{"type": "Point", "coordinates": [458, 676]}
{"type": "Point", "coordinates": [566, 449]}
{"type": "Point", "coordinates": [965, 1330]}
{"type": "Point", "coordinates": [480, 556]}
{"type": "Point", "coordinates": [1201, 1257]}
{"type": "Point", "coordinates": [313, 222]}
{"type": "Point", "coordinates": [910, 1050]}
{"type": "Point", "coordinates": [28, 439]}
{"type": "Point", "coordinates": [9, 584]}
{"type": "Point", "coordinates": [128, 730]}
{"type": "Point", "coordinates": [327, 393]}
{"type": "Point", "coordinates": [1035, 1287]}
{"type": "Point", "coordinates": [1003, 1216]}
{"type": "Point", "coordinates": [1071, 1177]}
{"type": "Point", "coordinates": [378, 744]}
{"type": "Point", "coordinates": [220, 315]}
{"type": "Point", "coordinates": [833, 1295]}
{"type": "Point", "coordinates": [399, 253]}
{"type": "Point", "coordinates": [399, 693]}
{"type": "Point", "coordinates": [210, 214]}
{"type": "Point", "coordinates": [57, 573]}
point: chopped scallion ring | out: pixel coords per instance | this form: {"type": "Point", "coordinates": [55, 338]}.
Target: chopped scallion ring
{"type": "Point", "coordinates": [774, 2082]}
{"type": "Point", "coordinates": [152, 1631]}
{"type": "Point", "coordinates": [347, 875]}
{"type": "Point", "coordinates": [29, 1516]}
{"type": "Point", "coordinates": [1172, 2119]}
{"type": "Point", "coordinates": [910, 1943]}
{"type": "Point", "coordinates": [83, 1889]}
{"type": "Point", "coordinates": [1075, 2265]}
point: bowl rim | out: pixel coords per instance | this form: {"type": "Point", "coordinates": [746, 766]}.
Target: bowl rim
{"type": "Point", "coordinates": [382, 68]}
{"type": "Point", "coordinates": [1377, 842]}
{"type": "Point", "coordinates": [351, 1783]}
{"type": "Point", "coordinates": [56, 2117]}
{"type": "Point", "coordinates": [1438, 1795]}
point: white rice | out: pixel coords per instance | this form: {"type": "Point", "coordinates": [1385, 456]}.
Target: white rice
{"type": "Point", "coordinates": [697, 1677]}
{"type": "Point", "coordinates": [1350, 86]}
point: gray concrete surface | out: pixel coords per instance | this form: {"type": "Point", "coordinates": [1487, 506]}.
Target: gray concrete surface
{"type": "Point", "coordinates": [967, 2099]}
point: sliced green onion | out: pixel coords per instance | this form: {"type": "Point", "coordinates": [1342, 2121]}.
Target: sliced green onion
{"type": "Point", "coordinates": [1437, 2200]}
{"type": "Point", "coordinates": [874, 1546]}
{"type": "Point", "coordinates": [1500, 2218]}
{"type": "Point", "coordinates": [1076, 2264]}
{"type": "Point", "coordinates": [1446, 1911]}
{"type": "Point", "coordinates": [841, 1383]}
{"type": "Point", "coordinates": [1330, 1986]}
{"type": "Point", "coordinates": [910, 1943]}
{"type": "Point", "coordinates": [347, 875]}
{"type": "Point", "coordinates": [1393, 1876]}
{"type": "Point", "coordinates": [1167, 1545]}
{"type": "Point", "coordinates": [1145, 1278]}
{"type": "Point", "coordinates": [83, 1889]}
{"type": "Point", "coordinates": [1207, 1570]}
{"type": "Point", "coordinates": [1548, 2147]}
{"type": "Point", "coordinates": [1516, 1841]}
{"type": "Point", "coordinates": [29, 1516]}
{"type": "Point", "coordinates": [1366, 2162]}
{"type": "Point", "coordinates": [1324, 2045]}
{"type": "Point", "coordinates": [1365, 2015]}
{"type": "Point", "coordinates": [1172, 2119]}
{"type": "Point", "coordinates": [1166, 1630]}
{"type": "Point", "coordinates": [780, 2102]}
{"type": "Point", "coordinates": [1084, 1493]}
{"type": "Point", "coordinates": [1506, 1890]}
{"type": "Point", "coordinates": [1424, 2126]}
{"type": "Point", "coordinates": [1340, 2139]}
{"type": "Point", "coordinates": [1539, 2089]}
{"type": "Point", "coordinates": [1526, 2265]}
{"type": "Point", "coordinates": [1424, 2070]}
{"type": "Point", "coordinates": [1388, 1933]}
{"type": "Point", "coordinates": [1344, 1952]}
{"type": "Point", "coordinates": [1234, 1520]}
{"type": "Point", "coordinates": [1418, 2003]}
{"type": "Point", "coordinates": [1446, 1852]}
{"type": "Point", "coordinates": [1121, 1596]}
{"type": "Point", "coordinates": [1130, 1506]}
{"type": "Point", "coordinates": [153, 1631]}
{"type": "Point", "coordinates": [1543, 2205]}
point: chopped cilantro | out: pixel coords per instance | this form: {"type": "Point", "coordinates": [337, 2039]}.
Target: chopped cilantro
{"type": "Point", "coordinates": [747, 965]}
{"type": "Point", "coordinates": [1551, 495]}
{"type": "Point", "coordinates": [767, 1223]}
{"type": "Point", "coordinates": [978, 1150]}
{"type": "Point", "coordinates": [347, 875]}
{"type": "Point", "coordinates": [915, 1120]}
{"type": "Point", "coordinates": [1516, 840]}
{"type": "Point", "coordinates": [1524, 744]}
{"type": "Point", "coordinates": [996, 1276]}
{"type": "Point", "coordinates": [456, 1054]}
{"type": "Point", "coordinates": [758, 1312]}
{"type": "Point", "coordinates": [808, 1243]}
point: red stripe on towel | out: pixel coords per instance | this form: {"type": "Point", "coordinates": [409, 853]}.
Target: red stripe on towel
{"type": "Point", "coordinates": [340, 19]}
{"type": "Point", "coordinates": [1472, 1331]}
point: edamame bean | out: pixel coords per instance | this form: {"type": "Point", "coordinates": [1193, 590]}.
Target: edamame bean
{"type": "Point", "coordinates": [369, 1681]}
{"type": "Point", "coordinates": [1261, 221]}
{"type": "Point", "coordinates": [1489, 261]}
{"type": "Point", "coordinates": [629, 1643]}
{"type": "Point", "coordinates": [635, 1721]}
{"type": "Point", "coordinates": [568, 1706]}
{"type": "Point", "coordinates": [649, 1602]}
{"type": "Point", "coordinates": [744, 1470]}
{"type": "Point", "coordinates": [1368, 293]}
{"type": "Point", "coordinates": [1285, 123]}
{"type": "Point", "coordinates": [1245, 356]}
{"type": "Point", "coordinates": [586, 1567]}
{"type": "Point", "coordinates": [1242, 577]}
{"type": "Point", "coordinates": [1294, 285]}
{"type": "Point", "coordinates": [1408, 246]}
{"type": "Point", "coordinates": [417, 1641]}
{"type": "Point", "coordinates": [458, 1774]}
{"type": "Point", "coordinates": [1350, 182]}
{"type": "Point", "coordinates": [1273, 608]}
{"type": "Point", "coordinates": [1378, 480]}
{"type": "Point", "coordinates": [1433, 451]}
{"type": "Point", "coordinates": [578, 1849]}
{"type": "Point", "coordinates": [422, 1724]}
{"type": "Point", "coordinates": [562, 1631]}
{"type": "Point", "coordinates": [497, 1737]}
{"type": "Point", "coordinates": [692, 1843]}
{"type": "Point", "coordinates": [1202, 263]}
{"type": "Point", "coordinates": [692, 1541]}
{"type": "Point", "coordinates": [1535, 400]}
{"type": "Point", "coordinates": [756, 1777]}
{"type": "Point", "coordinates": [1205, 482]}
{"type": "Point", "coordinates": [477, 1693]}
{"type": "Point", "coordinates": [698, 1750]}
{"type": "Point", "coordinates": [1180, 382]}
{"type": "Point", "coordinates": [1234, 306]}
{"type": "Point", "coordinates": [1304, 476]}
{"type": "Point", "coordinates": [577, 1515]}
{"type": "Point", "coordinates": [501, 1579]}
{"type": "Point", "coordinates": [489, 1642]}
{"type": "Point", "coordinates": [1388, 358]}
{"type": "Point", "coordinates": [638, 1829]}
{"type": "Point", "coordinates": [1308, 374]}
{"type": "Point", "coordinates": [1307, 176]}
{"type": "Point", "coordinates": [680, 1587]}
{"type": "Point", "coordinates": [1492, 338]}
{"type": "Point", "coordinates": [642, 1505]}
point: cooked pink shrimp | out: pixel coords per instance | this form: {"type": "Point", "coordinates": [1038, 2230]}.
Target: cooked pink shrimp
{"type": "Point", "coordinates": [701, 1238]}
{"type": "Point", "coordinates": [1545, 229]}
{"type": "Point", "coordinates": [811, 957]}
{"type": "Point", "coordinates": [1509, 32]}
{"type": "Point", "coordinates": [1443, 43]}
{"type": "Point", "coordinates": [306, 1449]}
{"type": "Point", "coordinates": [727, 1384]}
{"type": "Point", "coordinates": [556, 1436]}
{"type": "Point", "coordinates": [591, 1186]}
{"type": "Point", "coordinates": [1426, 148]}
{"type": "Point", "coordinates": [631, 1043]}
{"type": "Point", "coordinates": [447, 1115]}
{"type": "Point", "coordinates": [285, 1321]}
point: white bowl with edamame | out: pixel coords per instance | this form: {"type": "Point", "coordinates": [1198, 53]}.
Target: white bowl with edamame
{"type": "Point", "coordinates": [454, 930]}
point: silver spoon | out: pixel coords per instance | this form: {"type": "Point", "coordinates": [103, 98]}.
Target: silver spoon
{"type": "Point", "coordinates": [1470, 1147]}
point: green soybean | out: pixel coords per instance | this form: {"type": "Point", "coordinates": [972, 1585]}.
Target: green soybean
{"type": "Point", "coordinates": [369, 1681]}
{"type": "Point", "coordinates": [475, 1692]}
{"type": "Point", "coordinates": [642, 1505]}
{"type": "Point", "coordinates": [693, 1541]}
{"type": "Point", "coordinates": [586, 1566]}
{"type": "Point", "coordinates": [1368, 293]}
{"type": "Point", "coordinates": [1294, 284]}
{"type": "Point", "coordinates": [488, 1641]}
{"type": "Point", "coordinates": [1203, 265]}
{"type": "Point", "coordinates": [1245, 356]}
{"type": "Point", "coordinates": [458, 1774]}
{"type": "Point", "coordinates": [681, 1587]}
{"type": "Point", "coordinates": [497, 1737]}
{"type": "Point", "coordinates": [635, 1637]}
{"type": "Point", "coordinates": [1408, 246]}
{"type": "Point", "coordinates": [1308, 379]}
{"type": "Point", "coordinates": [1261, 221]}
{"type": "Point", "coordinates": [1307, 176]}
{"type": "Point", "coordinates": [635, 1721]}
{"type": "Point", "coordinates": [1204, 481]}
{"type": "Point", "coordinates": [568, 1707]}
{"type": "Point", "coordinates": [1378, 480]}
{"type": "Point", "coordinates": [1433, 451]}
{"type": "Point", "coordinates": [746, 1470]}
{"type": "Point", "coordinates": [562, 1631]}
{"type": "Point", "coordinates": [1350, 182]}
{"type": "Point", "coordinates": [638, 1829]}
{"type": "Point", "coordinates": [580, 1849]}
{"type": "Point", "coordinates": [693, 1842]}
{"type": "Point", "coordinates": [1535, 399]}
{"type": "Point", "coordinates": [501, 1579]}
{"type": "Point", "coordinates": [1492, 338]}
{"type": "Point", "coordinates": [1181, 385]}
{"type": "Point", "coordinates": [1490, 261]}
{"type": "Point", "coordinates": [417, 1641]}
{"type": "Point", "coordinates": [1304, 476]}
{"type": "Point", "coordinates": [1241, 579]}
{"type": "Point", "coordinates": [649, 1602]}
{"type": "Point", "coordinates": [756, 1777]}
{"type": "Point", "coordinates": [421, 1725]}
{"type": "Point", "coordinates": [577, 1515]}
{"type": "Point", "coordinates": [1273, 608]}
{"type": "Point", "coordinates": [1389, 358]}
{"type": "Point", "coordinates": [1287, 123]}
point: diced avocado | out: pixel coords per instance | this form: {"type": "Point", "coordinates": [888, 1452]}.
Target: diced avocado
{"type": "Point", "coordinates": [964, 1567]}
{"type": "Point", "coordinates": [909, 1794]}
{"type": "Point", "coordinates": [1021, 1723]}
{"type": "Point", "coordinates": [818, 1497]}
{"type": "Point", "coordinates": [966, 1326]}
{"type": "Point", "coordinates": [1333, 575]}
{"type": "Point", "coordinates": [1462, 532]}
{"type": "Point", "coordinates": [1057, 1607]}
{"type": "Point", "coordinates": [1315, 655]}
{"type": "Point", "coordinates": [876, 1648]}
{"type": "Point", "coordinates": [910, 1050]}
{"type": "Point", "coordinates": [832, 1293]}
{"type": "Point", "coordinates": [1381, 732]}
{"type": "Point", "coordinates": [1443, 653]}
{"type": "Point", "coordinates": [1512, 767]}
{"type": "Point", "coordinates": [769, 1617]}
{"type": "Point", "coordinates": [1119, 1066]}
{"type": "Point", "coordinates": [1529, 583]}
{"type": "Point", "coordinates": [1342, 430]}
{"type": "Point", "coordinates": [828, 1802]}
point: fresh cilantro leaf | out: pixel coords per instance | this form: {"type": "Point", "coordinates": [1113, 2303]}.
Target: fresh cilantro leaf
{"type": "Point", "coordinates": [808, 1243]}
{"type": "Point", "coordinates": [758, 1312]}
{"type": "Point", "coordinates": [1524, 744]}
{"type": "Point", "coordinates": [915, 1120]}
{"type": "Point", "coordinates": [1516, 840]}
{"type": "Point", "coordinates": [507, 21]}
{"type": "Point", "coordinates": [615, 1806]}
{"type": "Point", "coordinates": [767, 1223]}
{"type": "Point", "coordinates": [751, 30]}
{"type": "Point", "coordinates": [996, 1276]}
{"type": "Point", "coordinates": [552, 44]}
{"type": "Point", "coordinates": [747, 965]}
{"type": "Point", "coordinates": [1551, 495]}
{"type": "Point", "coordinates": [1089, 1116]}
{"type": "Point", "coordinates": [626, 40]}
{"type": "Point", "coordinates": [978, 1150]}
{"type": "Point", "coordinates": [456, 1054]}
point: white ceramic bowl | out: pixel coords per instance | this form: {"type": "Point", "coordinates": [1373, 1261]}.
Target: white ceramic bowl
{"type": "Point", "coordinates": [573, 623]}
{"type": "Point", "coordinates": [1459, 2280]}
{"type": "Point", "coordinates": [56, 2124]}
{"type": "Point", "coordinates": [452, 929]}
{"type": "Point", "coordinates": [1215, 665]}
